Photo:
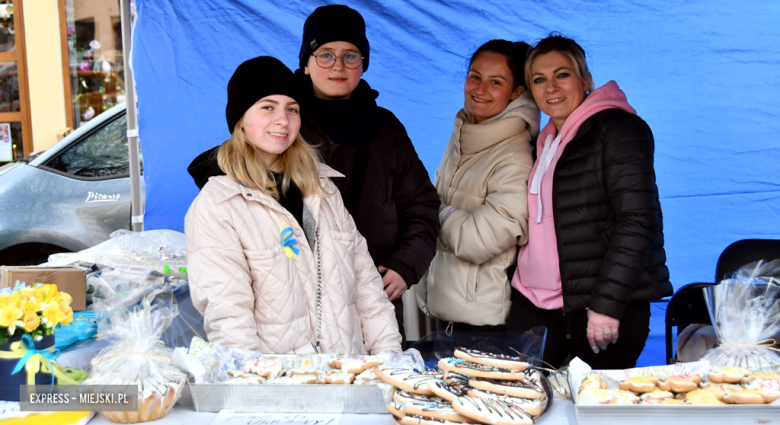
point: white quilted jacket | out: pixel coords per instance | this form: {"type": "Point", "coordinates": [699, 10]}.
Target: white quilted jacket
{"type": "Point", "coordinates": [252, 296]}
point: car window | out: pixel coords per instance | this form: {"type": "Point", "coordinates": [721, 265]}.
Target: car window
{"type": "Point", "coordinates": [102, 154]}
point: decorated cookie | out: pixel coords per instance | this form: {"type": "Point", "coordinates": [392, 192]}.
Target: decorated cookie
{"type": "Point", "coordinates": [592, 382]}
{"type": "Point", "coordinates": [533, 407]}
{"type": "Point", "coordinates": [527, 388]}
{"type": "Point", "coordinates": [664, 401]}
{"type": "Point", "coordinates": [336, 378]}
{"type": "Point", "coordinates": [490, 359]}
{"type": "Point", "coordinates": [304, 371]}
{"type": "Point", "coordinates": [659, 394]}
{"type": "Point", "coordinates": [396, 409]}
{"type": "Point", "coordinates": [679, 383]}
{"type": "Point", "coordinates": [719, 389]}
{"type": "Point", "coordinates": [638, 384]}
{"type": "Point", "coordinates": [355, 366]}
{"type": "Point", "coordinates": [606, 396]}
{"type": "Point", "coordinates": [421, 420]}
{"type": "Point", "coordinates": [728, 375]}
{"type": "Point", "coordinates": [449, 392]}
{"type": "Point", "coordinates": [407, 397]}
{"type": "Point", "coordinates": [765, 382]}
{"type": "Point", "coordinates": [267, 368]}
{"type": "Point", "coordinates": [409, 380]}
{"type": "Point", "coordinates": [491, 411]}
{"type": "Point", "coordinates": [244, 380]}
{"type": "Point", "coordinates": [454, 364]}
{"type": "Point", "coordinates": [435, 411]}
{"type": "Point", "coordinates": [368, 377]}
{"type": "Point", "coordinates": [702, 398]}
{"type": "Point", "coordinates": [456, 378]}
{"type": "Point", "coordinates": [743, 397]}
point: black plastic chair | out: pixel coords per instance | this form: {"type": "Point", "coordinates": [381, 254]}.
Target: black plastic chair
{"type": "Point", "coordinates": [745, 252]}
{"type": "Point", "coordinates": [686, 307]}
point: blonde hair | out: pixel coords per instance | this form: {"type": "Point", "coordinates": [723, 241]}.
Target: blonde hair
{"type": "Point", "coordinates": [556, 42]}
{"type": "Point", "coordinates": [241, 161]}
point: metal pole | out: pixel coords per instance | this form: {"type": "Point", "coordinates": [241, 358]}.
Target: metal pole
{"type": "Point", "coordinates": [137, 214]}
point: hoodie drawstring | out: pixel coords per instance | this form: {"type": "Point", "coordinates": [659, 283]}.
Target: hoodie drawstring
{"type": "Point", "coordinates": [550, 146]}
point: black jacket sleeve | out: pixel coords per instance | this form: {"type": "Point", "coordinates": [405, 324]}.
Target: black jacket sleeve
{"type": "Point", "coordinates": [205, 166]}
{"type": "Point", "coordinates": [628, 150]}
{"type": "Point", "coordinates": [417, 204]}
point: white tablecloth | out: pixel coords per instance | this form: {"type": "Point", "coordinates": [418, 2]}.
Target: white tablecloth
{"type": "Point", "coordinates": [561, 413]}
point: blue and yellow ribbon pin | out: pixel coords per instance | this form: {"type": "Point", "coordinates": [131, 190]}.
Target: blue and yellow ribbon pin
{"type": "Point", "coordinates": [288, 241]}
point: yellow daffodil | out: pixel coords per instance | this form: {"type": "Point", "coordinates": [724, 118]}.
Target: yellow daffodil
{"type": "Point", "coordinates": [31, 305]}
{"type": "Point", "coordinates": [5, 300]}
{"type": "Point", "coordinates": [53, 316]}
{"type": "Point", "coordinates": [49, 292]}
{"type": "Point", "coordinates": [64, 297]}
{"type": "Point", "coordinates": [68, 316]}
{"type": "Point", "coordinates": [27, 293]}
{"type": "Point", "coordinates": [9, 315]}
{"type": "Point", "coordinates": [31, 322]}
{"type": "Point", "coordinates": [39, 295]}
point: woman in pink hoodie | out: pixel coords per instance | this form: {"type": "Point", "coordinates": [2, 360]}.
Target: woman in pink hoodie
{"type": "Point", "coordinates": [595, 255]}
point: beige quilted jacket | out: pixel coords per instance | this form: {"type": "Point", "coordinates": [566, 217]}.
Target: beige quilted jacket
{"type": "Point", "coordinates": [252, 296]}
{"type": "Point", "coordinates": [484, 174]}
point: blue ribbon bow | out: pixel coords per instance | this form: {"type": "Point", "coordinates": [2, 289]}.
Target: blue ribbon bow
{"type": "Point", "coordinates": [288, 241]}
{"type": "Point", "coordinates": [47, 355]}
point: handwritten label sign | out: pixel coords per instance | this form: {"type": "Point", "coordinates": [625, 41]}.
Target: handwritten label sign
{"type": "Point", "coordinates": [228, 417]}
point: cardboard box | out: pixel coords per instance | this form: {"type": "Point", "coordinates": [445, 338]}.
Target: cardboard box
{"type": "Point", "coordinates": [68, 279]}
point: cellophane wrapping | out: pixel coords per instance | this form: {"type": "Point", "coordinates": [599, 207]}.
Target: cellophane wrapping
{"type": "Point", "coordinates": [745, 312]}
{"type": "Point", "coordinates": [139, 358]}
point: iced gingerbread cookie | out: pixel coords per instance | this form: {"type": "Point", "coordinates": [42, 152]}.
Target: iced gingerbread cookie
{"type": "Point", "coordinates": [368, 377]}
{"type": "Point", "coordinates": [743, 397]}
{"type": "Point", "coordinates": [336, 378]}
{"type": "Point", "coordinates": [665, 401]}
{"type": "Point", "coordinates": [490, 359]}
{"type": "Point", "coordinates": [449, 392]}
{"type": "Point", "coordinates": [267, 368]}
{"type": "Point", "coordinates": [658, 394]}
{"type": "Point", "coordinates": [442, 412]}
{"type": "Point", "coordinates": [719, 389]}
{"type": "Point", "coordinates": [533, 407]}
{"type": "Point", "coordinates": [592, 381]}
{"type": "Point", "coordinates": [355, 366]}
{"type": "Point", "coordinates": [491, 411]}
{"type": "Point", "coordinates": [702, 398]}
{"type": "Point", "coordinates": [402, 396]}
{"type": "Point", "coordinates": [679, 383]}
{"type": "Point", "coordinates": [409, 380]}
{"type": "Point", "coordinates": [638, 384]}
{"type": "Point", "coordinates": [396, 409]}
{"type": "Point", "coordinates": [527, 388]}
{"type": "Point", "coordinates": [456, 378]}
{"type": "Point", "coordinates": [728, 375]}
{"type": "Point", "coordinates": [304, 371]}
{"type": "Point", "coordinates": [765, 382]}
{"type": "Point", "coordinates": [476, 370]}
{"type": "Point", "coordinates": [606, 396]}
{"type": "Point", "coordinates": [421, 420]}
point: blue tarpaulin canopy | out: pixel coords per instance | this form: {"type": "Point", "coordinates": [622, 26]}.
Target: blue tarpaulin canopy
{"type": "Point", "coordinates": [704, 75]}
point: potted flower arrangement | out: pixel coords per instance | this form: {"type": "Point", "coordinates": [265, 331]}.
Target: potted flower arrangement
{"type": "Point", "coordinates": [28, 317]}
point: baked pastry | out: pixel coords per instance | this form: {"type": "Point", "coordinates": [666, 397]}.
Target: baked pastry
{"type": "Point", "coordinates": [491, 411]}
{"type": "Point", "coordinates": [679, 383]}
{"type": "Point", "coordinates": [406, 397]}
{"type": "Point", "coordinates": [454, 364]}
{"type": "Point", "coordinates": [534, 407]}
{"type": "Point", "coordinates": [355, 366]}
{"type": "Point", "coordinates": [728, 375]}
{"type": "Point", "coordinates": [267, 367]}
{"type": "Point", "coordinates": [638, 384]}
{"type": "Point", "coordinates": [498, 360]}
{"type": "Point", "coordinates": [409, 380]}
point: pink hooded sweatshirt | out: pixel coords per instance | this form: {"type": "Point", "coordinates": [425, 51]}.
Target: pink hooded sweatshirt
{"type": "Point", "coordinates": [538, 274]}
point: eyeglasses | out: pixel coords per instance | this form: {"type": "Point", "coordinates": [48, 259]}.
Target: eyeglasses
{"type": "Point", "coordinates": [326, 59]}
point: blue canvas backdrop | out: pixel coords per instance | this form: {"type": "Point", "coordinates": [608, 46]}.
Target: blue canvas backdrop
{"type": "Point", "coordinates": [704, 75]}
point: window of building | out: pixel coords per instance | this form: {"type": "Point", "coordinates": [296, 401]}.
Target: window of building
{"type": "Point", "coordinates": [95, 60]}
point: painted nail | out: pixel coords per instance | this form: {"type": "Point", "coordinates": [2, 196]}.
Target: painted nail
{"type": "Point", "coordinates": [595, 349]}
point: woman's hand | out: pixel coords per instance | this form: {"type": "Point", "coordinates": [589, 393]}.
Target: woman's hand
{"type": "Point", "coordinates": [602, 330]}
{"type": "Point", "coordinates": [395, 286]}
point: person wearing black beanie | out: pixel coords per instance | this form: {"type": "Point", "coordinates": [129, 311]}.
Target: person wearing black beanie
{"type": "Point", "coordinates": [386, 187]}
{"type": "Point", "coordinates": [275, 263]}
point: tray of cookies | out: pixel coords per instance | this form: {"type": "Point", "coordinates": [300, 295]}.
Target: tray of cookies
{"type": "Point", "coordinates": [684, 391]}
{"type": "Point", "coordinates": [472, 387]}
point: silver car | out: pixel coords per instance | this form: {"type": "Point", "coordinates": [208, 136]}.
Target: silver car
{"type": "Point", "coordinates": [69, 197]}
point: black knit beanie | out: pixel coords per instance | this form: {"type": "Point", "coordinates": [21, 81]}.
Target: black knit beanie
{"type": "Point", "coordinates": [255, 79]}
{"type": "Point", "coordinates": [335, 22]}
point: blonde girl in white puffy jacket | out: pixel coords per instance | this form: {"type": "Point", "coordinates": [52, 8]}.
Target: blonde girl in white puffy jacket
{"type": "Point", "coordinates": [275, 262]}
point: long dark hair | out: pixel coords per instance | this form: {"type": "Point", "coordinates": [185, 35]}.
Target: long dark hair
{"type": "Point", "coordinates": [515, 54]}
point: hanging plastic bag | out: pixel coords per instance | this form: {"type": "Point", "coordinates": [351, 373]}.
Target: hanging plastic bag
{"type": "Point", "coordinates": [139, 358]}
{"type": "Point", "coordinates": [745, 311]}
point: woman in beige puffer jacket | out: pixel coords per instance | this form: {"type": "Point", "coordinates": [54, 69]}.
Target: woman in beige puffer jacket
{"type": "Point", "coordinates": [256, 293]}
{"type": "Point", "coordinates": [482, 181]}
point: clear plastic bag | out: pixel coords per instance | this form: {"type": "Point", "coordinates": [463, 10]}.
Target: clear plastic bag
{"type": "Point", "coordinates": [745, 313]}
{"type": "Point", "coordinates": [139, 358]}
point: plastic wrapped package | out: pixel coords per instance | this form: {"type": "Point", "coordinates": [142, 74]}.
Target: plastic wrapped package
{"type": "Point", "coordinates": [160, 250]}
{"type": "Point", "coordinates": [745, 312]}
{"type": "Point", "coordinates": [118, 289]}
{"type": "Point", "coordinates": [139, 358]}
{"type": "Point", "coordinates": [80, 355]}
